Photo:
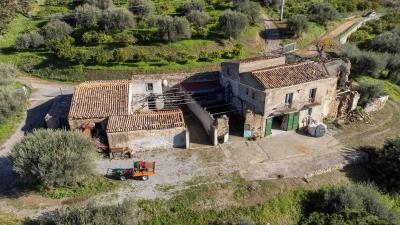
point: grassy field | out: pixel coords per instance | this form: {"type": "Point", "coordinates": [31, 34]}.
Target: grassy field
{"type": "Point", "coordinates": [8, 128]}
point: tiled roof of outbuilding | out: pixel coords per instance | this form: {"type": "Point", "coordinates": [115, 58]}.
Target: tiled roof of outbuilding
{"type": "Point", "coordinates": [97, 99]}
{"type": "Point", "coordinates": [289, 75]}
{"type": "Point", "coordinates": [152, 120]}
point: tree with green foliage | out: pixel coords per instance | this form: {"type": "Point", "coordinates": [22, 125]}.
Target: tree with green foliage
{"type": "Point", "coordinates": [29, 40]}
{"type": "Point", "coordinates": [386, 42]}
{"type": "Point", "coordinates": [121, 214]}
{"type": "Point", "coordinates": [83, 56]}
{"type": "Point", "coordinates": [121, 55]}
{"type": "Point", "coordinates": [192, 5]}
{"type": "Point", "coordinates": [142, 8]}
{"type": "Point", "coordinates": [370, 91]}
{"type": "Point", "coordinates": [384, 166]}
{"type": "Point", "coordinates": [117, 20]}
{"type": "Point", "coordinates": [232, 23]}
{"type": "Point", "coordinates": [7, 10]}
{"type": "Point", "coordinates": [12, 99]}
{"type": "Point", "coordinates": [87, 16]}
{"type": "Point", "coordinates": [56, 30]}
{"type": "Point", "coordinates": [297, 24]}
{"type": "Point", "coordinates": [101, 56]}
{"type": "Point", "coordinates": [322, 13]}
{"type": "Point", "coordinates": [102, 4]}
{"type": "Point", "coordinates": [250, 8]}
{"type": "Point", "coordinates": [54, 158]}
{"type": "Point", "coordinates": [173, 28]}
{"type": "Point", "coordinates": [125, 38]}
{"type": "Point", "coordinates": [272, 3]}
{"type": "Point", "coordinates": [346, 204]}
{"type": "Point", "coordinates": [198, 19]}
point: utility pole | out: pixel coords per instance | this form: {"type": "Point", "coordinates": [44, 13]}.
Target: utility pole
{"type": "Point", "coordinates": [282, 5]}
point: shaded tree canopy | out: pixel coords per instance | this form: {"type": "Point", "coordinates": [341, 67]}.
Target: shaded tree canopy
{"type": "Point", "coordinates": [232, 23]}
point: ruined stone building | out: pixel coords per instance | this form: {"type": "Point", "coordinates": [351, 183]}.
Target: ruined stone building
{"type": "Point", "coordinates": [126, 112]}
{"type": "Point", "coordinates": [272, 95]}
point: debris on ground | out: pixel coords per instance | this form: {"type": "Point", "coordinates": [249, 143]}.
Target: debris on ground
{"type": "Point", "coordinates": [358, 116]}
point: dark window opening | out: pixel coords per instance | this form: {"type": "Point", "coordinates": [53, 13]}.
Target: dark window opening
{"type": "Point", "coordinates": [312, 95]}
{"type": "Point", "coordinates": [253, 95]}
{"type": "Point", "coordinates": [289, 100]}
{"type": "Point", "coordinates": [149, 86]}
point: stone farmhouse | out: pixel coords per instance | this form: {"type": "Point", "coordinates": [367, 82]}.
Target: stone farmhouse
{"type": "Point", "coordinates": [272, 95]}
{"type": "Point", "coordinates": [119, 110]}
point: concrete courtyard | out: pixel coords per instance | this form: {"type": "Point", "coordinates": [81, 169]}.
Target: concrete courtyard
{"type": "Point", "coordinates": [289, 154]}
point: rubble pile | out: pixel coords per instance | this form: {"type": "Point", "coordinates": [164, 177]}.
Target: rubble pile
{"type": "Point", "coordinates": [359, 115]}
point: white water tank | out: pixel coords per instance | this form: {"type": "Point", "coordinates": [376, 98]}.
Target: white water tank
{"type": "Point", "coordinates": [317, 129]}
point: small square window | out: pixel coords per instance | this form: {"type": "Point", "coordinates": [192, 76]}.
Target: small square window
{"type": "Point", "coordinates": [149, 86]}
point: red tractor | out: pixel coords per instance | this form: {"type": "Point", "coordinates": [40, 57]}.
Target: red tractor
{"type": "Point", "coordinates": [141, 170]}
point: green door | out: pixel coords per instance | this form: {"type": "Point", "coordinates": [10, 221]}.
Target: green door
{"type": "Point", "coordinates": [293, 121]}
{"type": "Point", "coordinates": [268, 127]}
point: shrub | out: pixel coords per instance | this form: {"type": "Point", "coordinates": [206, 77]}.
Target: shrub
{"type": "Point", "coordinates": [250, 8]}
{"type": "Point", "coordinates": [54, 158]}
{"type": "Point", "coordinates": [11, 102]}
{"type": "Point", "coordinates": [102, 4]}
{"type": "Point", "coordinates": [83, 56]}
{"type": "Point", "coordinates": [189, 6]}
{"type": "Point", "coordinates": [90, 37]}
{"type": "Point", "coordinates": [125, 38]}
{"type": "Point", "coordinates": [56, 30]}
{"type": "Point", "coordinates": [63, 48]}
{"type": "Point", "coordinates": [360, 36]}
{"type": "Point", "coordinates": [143, 8]}
{"type": "Point", "coordinates": [92, 214]}
{"type": "Point", "coordinates": [8, 73]}
{"type": "Point", "coordinates": [117, 20]}
{"type": "Point", "coordinates": [37, 40]}
{"type": "Point", "coordinates": [385, 164]}
{"type": "Point", "coordinates": [370, 91]}
{"type": "Point", "coordinates": [29, 40]}
{"type": "Point", "coordinates": [87, 16]}
{"type": "Point", "coordinates": [172, 29]}
{"type": "Point", "coordinates": [322, 13]}
{"type": "Point", "coordinates": [198, 18]}
{"type": "Point", "coordinates": [297, 24]}
{"type": "Point", "coordinates": [101, 56]}
{"type": "Point", "coordinates": [386, 42]}
{"type": "Point", "coordinates": [232, 23]}
{"type": "Point", "coordinates": [361, 202]}
{"type": "Point", "coordinates": [23, 42]}
{"type": "Point", "coordinates": [272, 3]}
{"type": "Point", "coordinates": [121, 55]}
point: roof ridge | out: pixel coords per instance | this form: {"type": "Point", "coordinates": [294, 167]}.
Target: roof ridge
{"type": "Point", "coordinates": [283, 66]}
{"type": "Point", "coordinates": [103, 82]}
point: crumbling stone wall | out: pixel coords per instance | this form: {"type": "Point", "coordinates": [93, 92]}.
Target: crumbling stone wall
{"type": "Point", "coordinates": [345, 103]}
{"type": "Point", "coordinates": [376, 105]}
{"type": "Point", "coordinates": [256, 123]}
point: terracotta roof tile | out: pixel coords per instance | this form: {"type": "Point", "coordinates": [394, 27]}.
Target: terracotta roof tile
{"type": "Point", "coordinates": [288, 75]}
{"type": "Point", "coordinates": [97, 99]}
{"type": "Point", "coordinates": [153, 120]}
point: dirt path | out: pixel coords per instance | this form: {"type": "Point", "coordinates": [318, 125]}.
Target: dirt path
{"type": "Point", "coordinates": [311, 51]}
{"type": "Point", "coordinates": [271, 36]}
{"type": "Point", "coordinates": [39, 103]}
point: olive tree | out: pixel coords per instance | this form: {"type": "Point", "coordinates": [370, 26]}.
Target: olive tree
{"type": "Point", "coordinates": [173, 28]}
{"type": "Point", "coordinates": [56, 30]}
{"type": "Point", "coordinates": [189, 6]}
{"type": "Point", "coordinates": [54, 158]}
{"type": "Point", "coordinates": [322, 13]}
{"type": "Point", "coordinates": [198, 18]}
{"type": "Point", "coordinates": [142, 8]}
{"type": "Point", "coordinates": [87, 16]}
{"type": "Point", "coordinates": [297, 24]}
{"type": "Point", "coordinates": [117, 20]}
{"type": "Point", "coordinates": [384, 166]}
{"type": "Point", "coordinates": [250, 8]}
{"type": "Point", "coordinates": [8, 73]}
{"type": "Point", "coordinates": [232, 23]}
{"type": "Point", "coordinates": [386, 42]}
{"type": "Point", "coordinates": [29, 40]}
